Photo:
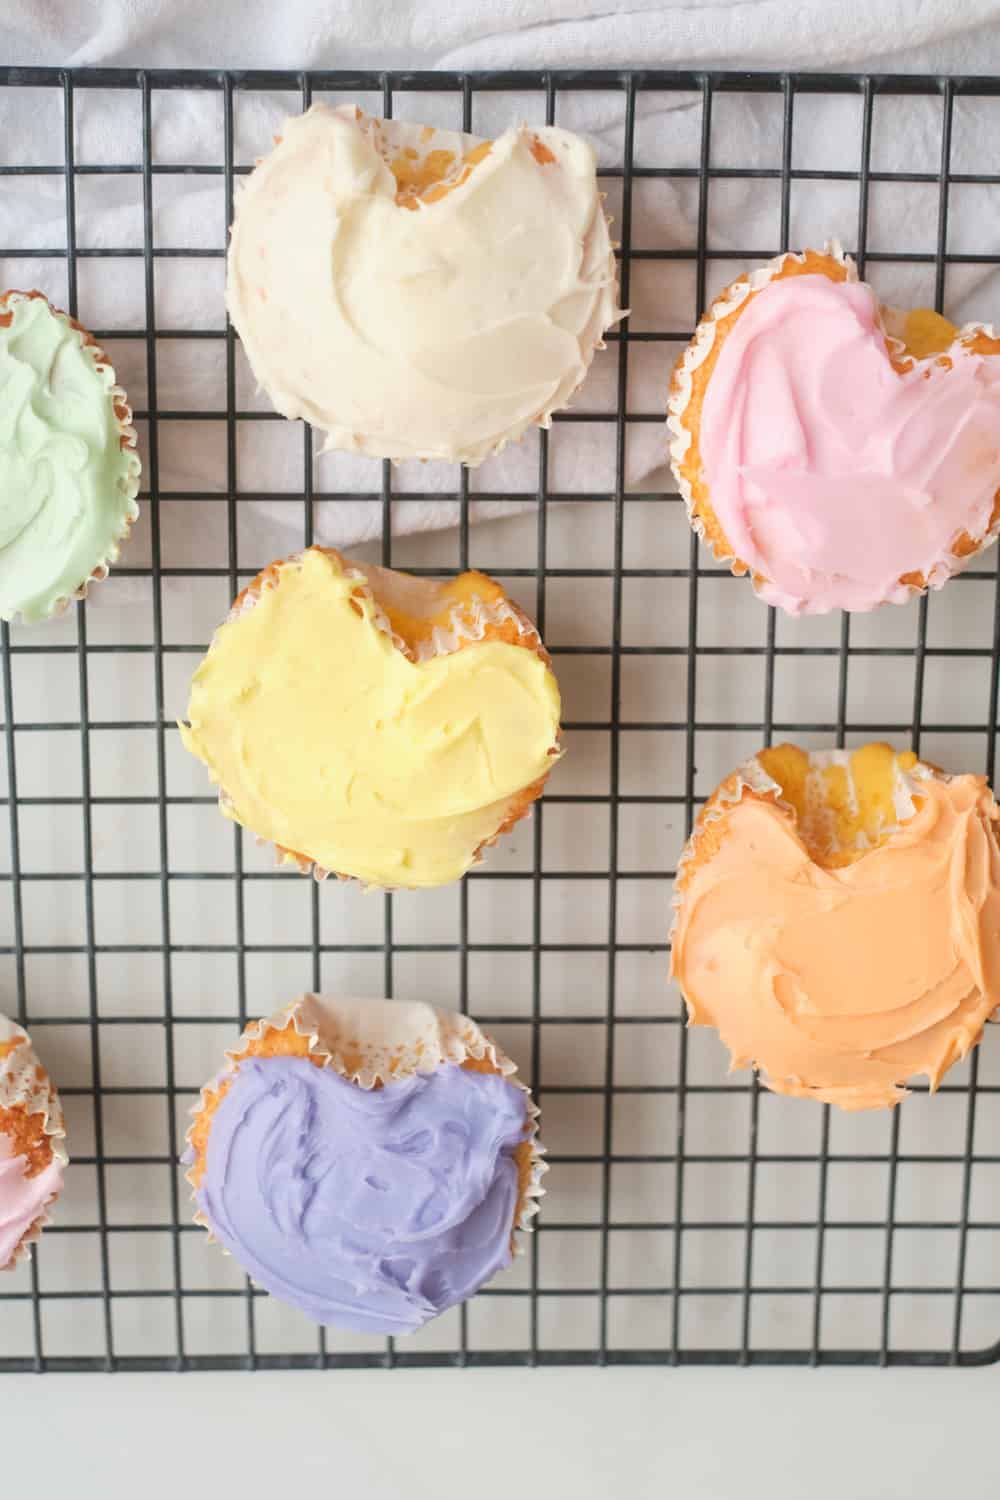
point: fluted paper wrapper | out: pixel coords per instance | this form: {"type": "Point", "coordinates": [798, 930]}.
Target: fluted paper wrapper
{"type": "Point", "coordinates": [24, 1082]}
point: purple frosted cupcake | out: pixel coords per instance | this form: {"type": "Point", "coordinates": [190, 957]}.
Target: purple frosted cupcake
{"type": "Point", "coordinates": [368, 1162]}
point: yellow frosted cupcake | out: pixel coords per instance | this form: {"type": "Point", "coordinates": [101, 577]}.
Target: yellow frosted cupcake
{"type": "Point", "coordinates": [841, 452]}
{"type": "Point", "coordinates": [838, 921]}
{"type": "Point", "coordinates": [372, 724]}
{"type": "Point", "coordinates": [420, 293]}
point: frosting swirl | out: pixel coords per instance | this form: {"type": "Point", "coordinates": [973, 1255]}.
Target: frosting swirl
{"type": "Point", "coordinates": [374, 1209]}
{"type": "Point", "coordinates": [841, 983]}
{"type": "Point", "coordinates": [67, 483]}
{"type": "Point", "coordinates": [440, 332]}
{"type": "Point", "coordinates": [839, 479]}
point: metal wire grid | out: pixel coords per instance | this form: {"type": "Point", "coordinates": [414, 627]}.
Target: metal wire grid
{"type": "Point", "coordinates": [664, 1296]}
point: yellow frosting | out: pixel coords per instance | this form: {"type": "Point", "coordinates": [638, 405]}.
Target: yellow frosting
{"type": "Point", "coordinates": [328, 740]}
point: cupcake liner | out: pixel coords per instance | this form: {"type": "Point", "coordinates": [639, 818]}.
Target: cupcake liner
{"type": "Point", "coordinates": [426, 160]}
{"type": "Point", "coordinates": [680, 437]}
{"type": "Point", "coordinates": [469, 621]}
{"type": "Point", "coordinates": [371, 1043]}
{"type": "Point", "coordinates": [128, 439]}
{"type": "Point", "coordinates": [24, 1083]}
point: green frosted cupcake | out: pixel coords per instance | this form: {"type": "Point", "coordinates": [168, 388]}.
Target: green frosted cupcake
{"type": "Point", "coordinates": [69, 471]}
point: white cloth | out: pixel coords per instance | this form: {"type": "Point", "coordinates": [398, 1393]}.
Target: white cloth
{"type": "Point", "coordinates": [935, 35]}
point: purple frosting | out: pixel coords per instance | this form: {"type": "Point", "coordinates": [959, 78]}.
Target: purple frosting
{"type": "Point", "coordinates": [374, 1209]}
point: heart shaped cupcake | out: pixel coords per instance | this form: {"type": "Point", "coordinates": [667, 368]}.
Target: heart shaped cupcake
{"type": "Point", "coordinates": [373, 724]}
{"type": "Point", "coordinates": [369, 1162]}
{"type": "Point", "coordinates": [843, 453]}
{"type": "Point", "coordinates": [420, 293]}
{"type": "Point", "coordinates": [838, 921]}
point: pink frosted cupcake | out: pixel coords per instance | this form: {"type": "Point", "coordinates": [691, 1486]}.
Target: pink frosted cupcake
{"type": "Point", "coordinates": [841, 452]}
{"type": "Point", "coordinates": [32, 1150]}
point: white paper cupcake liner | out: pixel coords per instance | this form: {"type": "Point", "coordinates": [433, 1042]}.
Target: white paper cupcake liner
{"type": "Point", "coordinates": [467, 621]}
{"type": "Point", "coordinates": [23, 1082]}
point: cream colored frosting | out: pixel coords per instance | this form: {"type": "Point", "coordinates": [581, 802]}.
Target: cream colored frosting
{"type": "Point", "coordinates": [842, 983]}
{"type": "Point", "coordinates": [442, 332]}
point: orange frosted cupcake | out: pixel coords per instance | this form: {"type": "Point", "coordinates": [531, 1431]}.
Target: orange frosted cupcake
{"type": "Point", "coordinates": [420, 293]}
{"type": "Point", "coordinates": [32, 1150]}
{"type": "Point", "coordinates": [838, 921]}
{"type": "Point", "coordinates": [368, 1161]}
{"type": "Point", "coordinates": [372, 724]}
{"type": "Point", "coordinates": [841, 452]}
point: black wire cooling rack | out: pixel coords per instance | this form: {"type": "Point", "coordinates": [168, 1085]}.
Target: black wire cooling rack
{"type": "Point", "coordinates": [692, 1218]}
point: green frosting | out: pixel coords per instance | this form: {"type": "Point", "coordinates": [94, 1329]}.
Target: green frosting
{"type": "Point", "coordinates": [67, 486]}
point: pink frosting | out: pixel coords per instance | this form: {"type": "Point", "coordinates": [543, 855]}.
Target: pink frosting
{"type": "Point", "coordinates": [22, 1198]}
{"type": "Point", "coordinates": [830, 474]}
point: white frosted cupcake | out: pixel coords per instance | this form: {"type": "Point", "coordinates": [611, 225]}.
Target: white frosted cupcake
{"type": "Point", "coordinates": [419, 293]}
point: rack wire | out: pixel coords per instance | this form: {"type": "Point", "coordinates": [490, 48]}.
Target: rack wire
{"type": "Point", "coordinates": [692, 1218]}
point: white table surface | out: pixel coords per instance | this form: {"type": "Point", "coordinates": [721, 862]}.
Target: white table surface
{"type": "Point", "coordinates": [707, 1434]}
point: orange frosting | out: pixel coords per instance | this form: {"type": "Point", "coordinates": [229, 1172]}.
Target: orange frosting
{"type": "Point", "coordinates": [841, 980]}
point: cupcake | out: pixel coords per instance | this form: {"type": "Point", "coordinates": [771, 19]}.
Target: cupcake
{"type": "Point", "coordinates": [837, 920]}
{"type": "Point", "coordinates": [843, 453]}
{"type": "Point", "coordinates": [69, 472]}
{"type": "Point", "coordinates": [419, 293]}
{"type": "Point", "coordinates": [367, 1161]}
{"type": "Point", "coordinates": [372, 724]}
{"type": "Point", "coordinates": [32, 1151]}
